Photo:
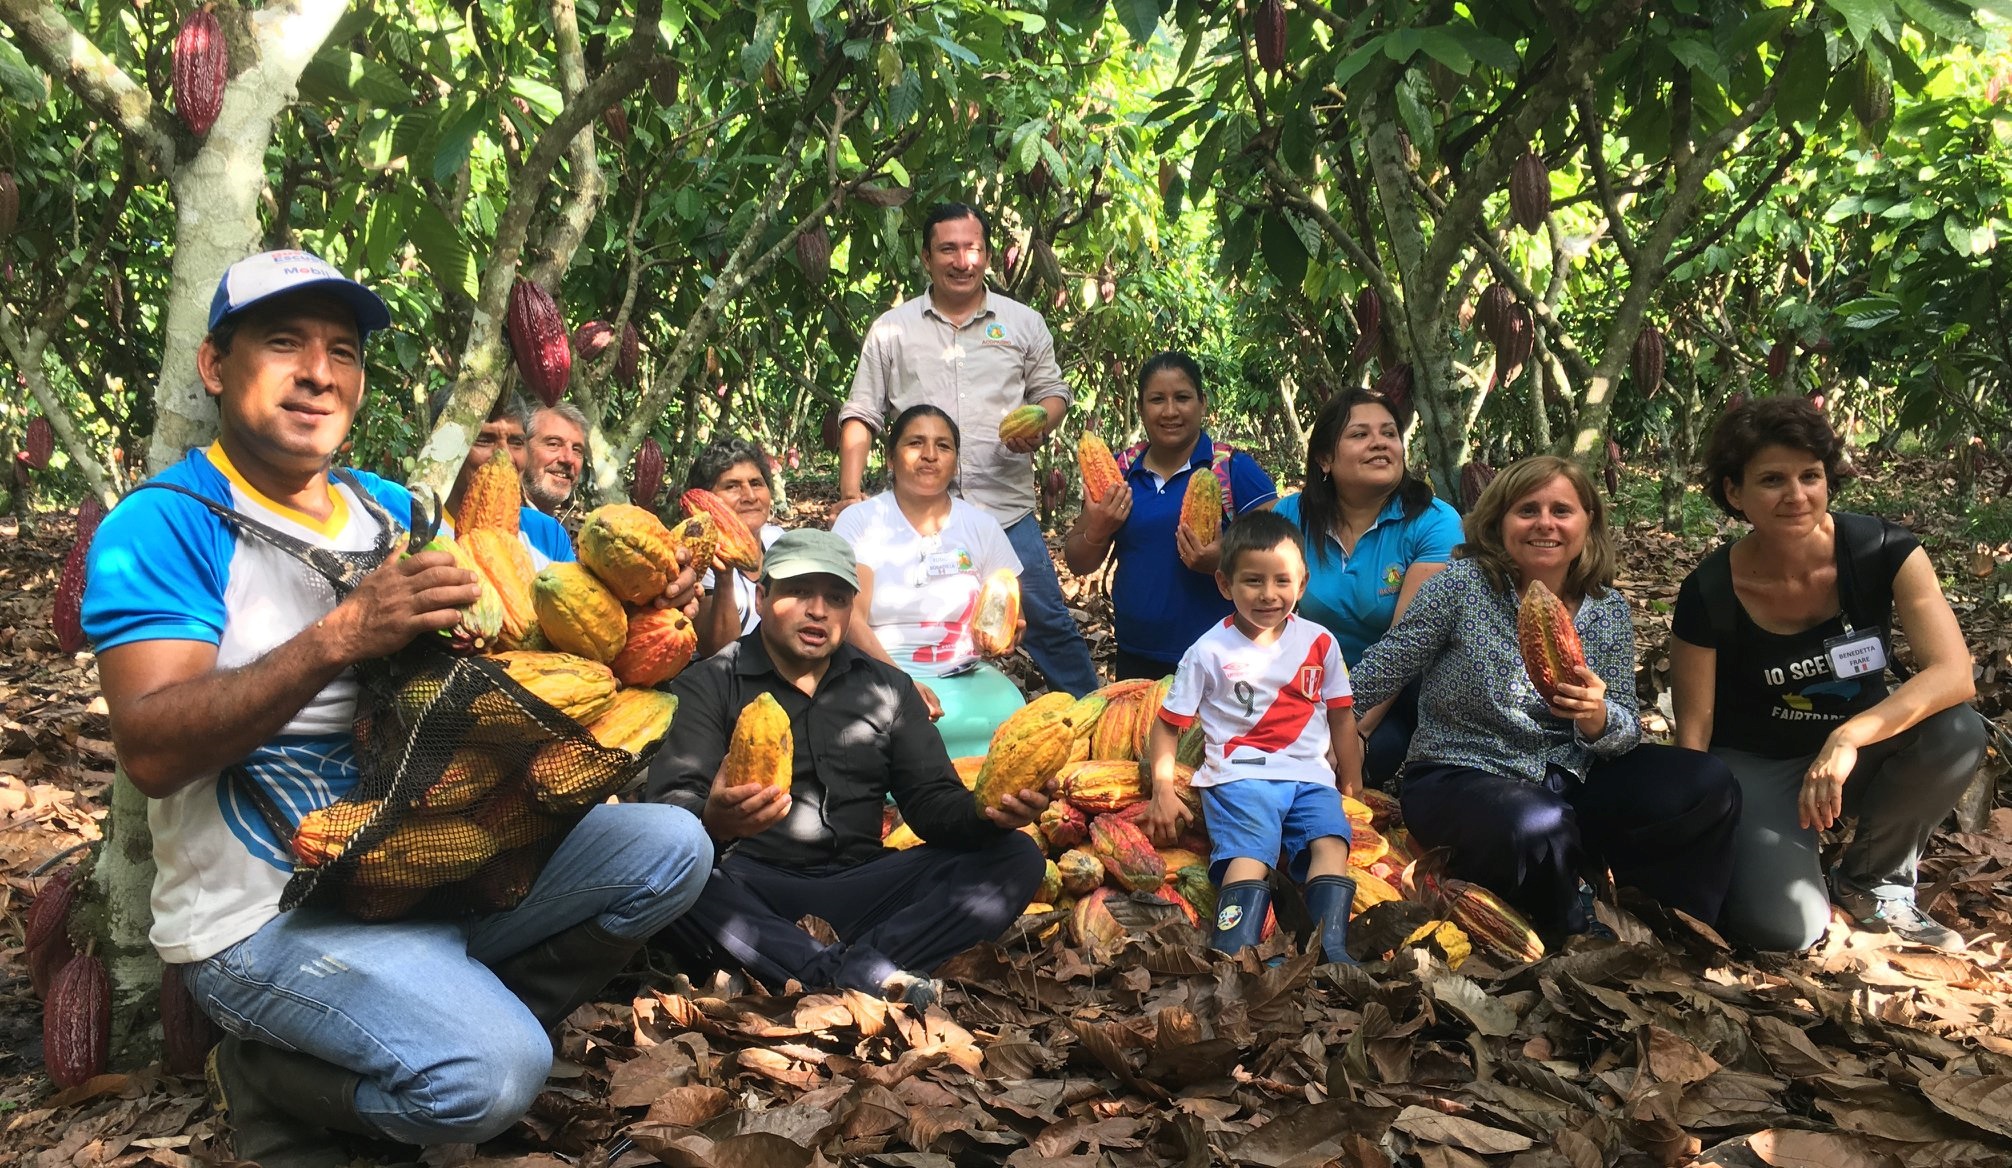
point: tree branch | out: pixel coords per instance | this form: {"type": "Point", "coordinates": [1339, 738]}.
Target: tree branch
{"type": "Point", "coordinates": [51, 41]}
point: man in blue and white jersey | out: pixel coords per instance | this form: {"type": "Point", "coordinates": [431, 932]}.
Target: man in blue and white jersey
{"type": "Point", "coordinates": [227, 667]}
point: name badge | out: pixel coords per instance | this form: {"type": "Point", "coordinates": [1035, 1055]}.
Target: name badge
{"type": "Point", "coordinates": [1855, 654]}
{"type": "Point", "coordinates": [947, 563]}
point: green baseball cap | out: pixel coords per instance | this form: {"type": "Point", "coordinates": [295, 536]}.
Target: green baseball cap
{"type": "Point", "coordinates": [808, 551]}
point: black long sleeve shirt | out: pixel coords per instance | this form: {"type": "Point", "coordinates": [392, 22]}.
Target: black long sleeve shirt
{"type": "Point", "coordinates": [862, 734]}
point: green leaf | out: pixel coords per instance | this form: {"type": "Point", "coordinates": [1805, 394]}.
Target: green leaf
{"type": "Point", "coordinates": [542, 98]}
{"type": "Point", "coordinates": [1283, 251]}
{"type": "Point", "coordinates": [1446, 49]}
{"type": "Point", "coordinates": [20, 81]}
{"type": "Point", "coordinates": [1805, 74]}
{"type": "Point", "coordinates": [1697, 54]}
{"type": "Point", "coordinates": [442, 249]}
{"type": "Point", "coordinates": [1346, 69]}
{"type": "Point", "coordinates": [1140, 18]}
{"type": "Point", "coordinates": [457, 137]}
{"type": "Point", "coordinates": [383, 231]}
{"type": "Point", "coordinates": [1865, 17]}
{"type": "Point", "coordinates": [1495, 53]}
{"type": "Point", "coordinates": [342, 75]}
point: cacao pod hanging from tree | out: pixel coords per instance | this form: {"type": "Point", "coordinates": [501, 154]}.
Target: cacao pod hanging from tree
{"type": "Point", "coordinates": [186, 1032]}
{"type": "Point", "coordinates": [77, 1022]}
{"type": "Point", "coordinates": [538, 341]}
{"type": "Point", "coordinates": [832, 428]}
{"type": "Point", "coordinates": [1489, 310]}
{"type": "Point", "coordinates": [1271, 35]}
{"type": "Point", "coordinates": [89, 512]}
{"type": "Point", "coordinates": [38, 445]}
{"type": "Point", "coordinates": [1530, 191]}
{"type": "Point", "coordinates": [648, 478]}
{"type": "Point", "coordinates": [1519, 340]}
{"type": "Point", "coordinates": [10, 204]}
{"type": "Point", "coordinates": [629, 358]}
{"type": "Point", "coordinates": [1646, 360]}
{"type": "Point", "coordinates": [813, 254]}
{"type": "Point", "coordinates": [664, 84]}
{"type": "Point", "coordinates": [1612, 470]}
{"type": "Point", "coordinates": [1778, 358]}
{"type": "Point", "coordinates": [617, 122]}
{"type": "Point", "coordinates": [47, 945]}
{"type": "Point", "coordinates": [1474, 479]}
{"type": "Point", "coordinates": [883, 196]}
{"type": "Point", "coordinates": [1395, 388]}
{"type": "Point", "coordinates": [1368, 324]}
{"type": "Point", "coordinates": [1871, 93]}
{"type": "Point", "coordinates": [592, 339]}
{"type": "Point", "coordinates": [202, 66]}
{"type": "Point", "coordinates": [1046, 264]}
{"type": "Point", "coordinates": [67, 614]}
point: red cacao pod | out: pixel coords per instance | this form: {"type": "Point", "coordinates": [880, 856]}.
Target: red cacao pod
{"type": "Point", "coordinates": [1519, 339]}
{"type": "Point", "coordinates": [48, 926]}
{"type": "Point", "coordinates": [1530, 191]}
{"type": "Point", "coordinates": [664, 84]}
{"type": "Point", "coordinates": [592, 339]}
{"type": "Point", "coordinates": [831, 429]}
{"type": "Point", "coordinates": [1778, 358]}
{"type": "Point", "coordinates": [1474, 479]}
{"type": "Point", "coordinates": [883, 196]}
{"type": "Point", "coordinates": [792, 458]}
{"type": "Point", "coordinates": [648, 478]}
{"type": "Point", "coordinates": [39, 443]}
{"type": "Point", "coordinates": [1395, 386]}
{"type": "Point", "coordinates": [1612, 470]}
{"type": "Point", "coordinates": [629, 358]}
{"type": "Point", "coordinates": [1494, 304]}
{"type": "Point", "coordinates": [10, 204]}
{"type": "Point", "coordinates": [202, 66]}
{"type": "Point", "coordinates": [1107, 286]}
{"type": "Point", "coordinates": [1012, 261]}
{"type": "Point", "coordinates": [187, 1034]}
{"type": "Point", "coordinates": [77, 1022]}
{"type": "Point", "coordinates": [1368, 324]}
{"type": "Point", "coordinates": [1646, 361]}
{"type": "Point", "coordinates": [1271, 35]}
{"type": "Point", "coordinates": [1054, 489]}
{"type": "Point", "coordinates": [67, 614]}
{"type": "Point", "coordinates": [89, 512]}
{"type": "Point", "coordinates": [1548, 639]}
{"type": "Point", "coordinates": [813, 253]}
{"type": "Point", "coordinates": [617, 124]}
{"type": "Point", "coordinates": [538, 340]}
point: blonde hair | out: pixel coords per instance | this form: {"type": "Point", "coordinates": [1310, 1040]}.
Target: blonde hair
{"type": "Point", "coordinates": [1591, 574]}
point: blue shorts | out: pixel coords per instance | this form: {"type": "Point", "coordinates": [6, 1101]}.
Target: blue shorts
{"type": "Point", "coordinates": [1262, 819]}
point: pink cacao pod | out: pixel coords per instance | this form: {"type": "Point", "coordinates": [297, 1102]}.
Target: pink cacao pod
{"type": "Point", "coordinates": [648, 477]}
{"type": "Point", "coordinates": [39, 443]}
{"type": "Point", "coordinates": [1529, 191]}
{"type": "Point", "coordinates": [67, 614]}
{"type": "Point", "coordinates": [1646, 360]}
{"type": "Point", "coordinates": [592, 339]}
{"type": "Point", "coordinates": [10, 204]}
{"type": "Point", "coordinates": [793, 458]}
{"type": "Point", "coordinates": [813, 253]}
{"type": "Point", "coordinates": [538, 340]}
{"type": "Point", "coordinates": [77, 1022]}
{"type": "Point", "coordinates": [629, 358]}
{"type": "Point", "coordinates": [202, 66]}
{"type": "Point", "coordinates": [1271, 35]}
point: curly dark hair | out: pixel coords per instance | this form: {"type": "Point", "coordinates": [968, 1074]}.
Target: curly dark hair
{"type": "Point", "coordinates": [1787, 420]}
{"type": "Point", "coordinates": [722, 455]}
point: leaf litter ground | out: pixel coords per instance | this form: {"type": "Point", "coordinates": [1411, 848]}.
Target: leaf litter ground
{"type": "Point", "coordinates": [1663, 1048]}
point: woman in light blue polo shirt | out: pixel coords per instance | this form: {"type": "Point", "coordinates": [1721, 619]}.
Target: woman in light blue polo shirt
{"type": "Point", "coordinates": [1374, 534]}
{"type": "Point", "coordinates": [1164, 595]}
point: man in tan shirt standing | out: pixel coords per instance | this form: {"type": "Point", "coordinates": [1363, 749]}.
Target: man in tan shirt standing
{"type": "Point", "coordinates": [976, 355]}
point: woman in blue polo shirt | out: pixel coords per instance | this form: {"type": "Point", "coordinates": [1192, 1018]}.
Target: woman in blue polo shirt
{"type": "Point", "coordinates": [1374, 534]}
{"type": "Point", "coordinates": [1163, 594]}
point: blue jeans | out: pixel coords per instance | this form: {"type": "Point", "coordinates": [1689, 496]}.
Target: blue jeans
{"type": "Point", "coordinates": [447, 1054]}
{"type": "Point", "coordinates": [1053, 641]}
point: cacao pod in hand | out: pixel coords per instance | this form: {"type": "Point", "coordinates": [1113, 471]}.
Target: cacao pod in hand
{"type": "Point", "coordinates": [630, 550]}
{"type": "Point", "coordinates": [1027, 750]}
{"type": "Point", "coordinates": [1271, 35]}
{"type": "Point", "coordinates": [187, 1034]}
{"type": "Point", "coordinates": [578, 613]}
{"type": "Point", "coordinates": [629, 358]}
{"type": "Point", "coordinates": [813, 254]}
{"type": "Point", "coordinates": [538, 341]}
{"type": "Point", "coordinates": [1646, 360]}
{"type": "Point", "coordinates": [38, 445]}
{"type": "Point", "coordinates": [77, 1022]}
{"type": "Point", "coordinates": [995, 623]}
{"type": "Point", "coordinates": [1530, 191]}
{"type": "Point", "coordinates": [1474, 479]}
{"type": "Point", "coordinates": [762, 748]}
{"type": "Point", "coordinates": [1490, 309]}
{"type": "Point", "coordinates": [1028, 421]}
{"type": "Point", "coordinates": [1202, 506]}
{"type": "Point", "coordinates": [736, 546]}
{"type": "Point", "coordinates": [647, 480]}
{"type": "Point", "coordinates": [68, 613]}
{"type": "Point", "coordinates": [592, 339]}
{"type": "Point", "coordinates": [1099, 468]}
{"type": "Point", "coordinates": [494, 500]}
{"type": "Point", "coordinates": [1549, 641]}
{"type": "Point", "coordinates": [10, 204]}
{"type": "Point", "coordinates": [202, 65]}
{"type": "Point", "coordinates": [661, 643]}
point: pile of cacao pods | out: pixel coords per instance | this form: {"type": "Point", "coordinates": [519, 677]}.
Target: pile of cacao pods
{"type": "Point", "coordinates": [1095, 749]}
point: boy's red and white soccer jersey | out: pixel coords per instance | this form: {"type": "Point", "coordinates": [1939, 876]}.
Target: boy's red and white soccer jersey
{"type": "Point", "coordinates": [1263, 707]}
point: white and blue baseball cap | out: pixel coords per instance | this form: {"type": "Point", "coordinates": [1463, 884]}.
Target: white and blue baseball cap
{"type": "Point", "coordinates": [277, 273]}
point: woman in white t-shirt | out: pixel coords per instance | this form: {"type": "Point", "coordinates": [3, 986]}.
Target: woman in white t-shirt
{"type": "Point", "coordinates": [736, 470]}
{"type": "Point", "coordinates": [923, 556]}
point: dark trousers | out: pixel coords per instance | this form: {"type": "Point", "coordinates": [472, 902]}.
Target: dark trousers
{"type": "Point", "coordinates": [1660, 817]}
{"type": "Point", "coordinates": [909, 910]}
{"type": "Point", "coordinates": [1383, 755]}
{"type": "Point", "coordinates": [1133, 666]}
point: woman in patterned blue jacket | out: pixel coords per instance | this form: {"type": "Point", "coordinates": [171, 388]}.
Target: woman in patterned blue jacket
{"type": "Point", "coordinates": [1526, 795]}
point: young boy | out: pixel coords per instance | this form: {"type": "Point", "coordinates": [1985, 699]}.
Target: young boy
{"type": "Point", "coordinates": [1273, 697]}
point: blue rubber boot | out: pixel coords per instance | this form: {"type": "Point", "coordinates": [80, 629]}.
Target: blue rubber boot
{"type": "Point", "coordinates": [1328, 901]}
{"type": "Point", "coordinates": [1240, 912]}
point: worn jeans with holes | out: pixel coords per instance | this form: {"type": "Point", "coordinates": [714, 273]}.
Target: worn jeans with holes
{"type": "Point", "coordinates": [1053, 640]}
{"type": "Point", "coordinates": [446, 1053]}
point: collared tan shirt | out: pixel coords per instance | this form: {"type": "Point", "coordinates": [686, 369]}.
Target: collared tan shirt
{"type": "Point", "coordinates": [1001, 359]}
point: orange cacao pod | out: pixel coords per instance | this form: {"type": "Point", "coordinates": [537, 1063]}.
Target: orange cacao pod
{"type": "Point", "coordinates": [630, 550]}
{"type": "Point", "coordinates": [1270, 35]}
{"type": "Point", "coordinates": [186, 1032]}
{"type": "Point", "coordinates": [1550, 643]}
{"type": "Point", "coordinates": [1026, 422]}
{"type": "Point", "coordinates": [737, 547]}
{"type": "Point", "coordinates": [575, 686]}
{"type": "Point", "coordinates": [762, 748]}
{"type": "Point", "coordinates": [1202, 506]}
{"type": "Point", "coordinates": [968, 769]}
{"type": "Point", "coordinates": [494, 500]}
{"type": "Point", "coordinates": [1063, 825]}
{"type": "Point", "coordinates": [38, 444]}
{"type": "Point", "coordinates": [995, 626]}
{"type": "Point", "coordinates": [647, 480]}
{"type": "Point", "coordinates": [1486, 919]}
{"type": "Point", "coordinates": [1128, 856]}
{"type": "Point", "coordinates": [202, 66]}
{"type": "Point", "coordinates": [1091, 923]}
{"type": "Point", "coordinates": [77, 1022]}
{"type": "Point", "coordinates": [322, 834]}
{"type": "Point", "coordinates": [637, 721]}
{"type": "Point", "coordinates": [1366, 845]}
{"type": "Point", "coordinates": [1645, 360]}
{"type": "Point", "coordinates": [502, 559]}
{"type": "Point", "coordinates": [1101, 785]}
{"type": "Point", "coordinates": [661, 643]}
{"type": "Point", "coordinates": [469, 775]}
{"type": "Point", "coordinates": [1530, 191]}
{"type": "Point", "coordinates": [578, 613]}
{"type": "Point", "coordinates": [538, 341]}
{"type": "Point", "coordinates": [1098, 467]}
{"type": "Point", "coordinates": [67, 614]}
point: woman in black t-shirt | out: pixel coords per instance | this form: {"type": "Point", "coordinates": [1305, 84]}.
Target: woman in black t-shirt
{"type": "Point", "coordinates": [1780, 667]}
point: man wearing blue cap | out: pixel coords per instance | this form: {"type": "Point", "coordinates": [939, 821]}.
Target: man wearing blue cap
{"type": "Point", "coordinates": [226, 664]}
{"type": "Point", "coordinates": [860, 733]}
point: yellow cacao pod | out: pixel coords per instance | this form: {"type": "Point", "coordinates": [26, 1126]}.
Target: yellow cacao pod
{"type": "Point", "coordinates": [505, 562]}
{"type": "Point", "coordinates": [661, 643]}
{"type": "Point", "coordinates": [630, 550]}
{"type": "Point", "coordinates": [902, 838]}
{"type": "Point", "coordinates": [1027, 751]}
{"type": "Point", "coordinates": [1202, 506]}
{"type": "Point", "coordinates": [995, 625]}
{"type": "Point", "coordinates": [566, 775]}
{"type": "Point", "coordinates": [761, 749]}
{"type": "Point", "coordinates": [1079, 871]}
{"type": "Point", "coordinates": [1370, 890]}
{"type": "Point", "coordinates": [1446, 937]}
{"type": "Point", "coordinates": [576, 687]}
{"type": "Point", "coordinates": [1025, 422]}
{"type": "Point", "coordinates": [1051, 884]}
{"type": "Point", "coordinates": [323, 833]}
{"type": "Point", "coordinates": [472, 773]}
{"type": "Point", "coordinates": [424, 852]}
{"type": "Point", "coordinates": [637, 720]}
{"type": "Point", "coordinates": [578, 613]}
{"type": "Point", "coordinates": [967, 770]}
{"type": "Point", "coordinates": [1098, 785]}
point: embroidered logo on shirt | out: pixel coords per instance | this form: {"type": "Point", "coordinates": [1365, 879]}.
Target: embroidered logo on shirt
{"type": "Point", "coordinates": [995, 333]}
{"type": "Point", "coordinates": [1393, 579]}
{"type": "Point", "coordinates": [1310, 678]}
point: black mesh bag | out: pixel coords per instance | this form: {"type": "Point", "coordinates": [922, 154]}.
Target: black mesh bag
{"type": "Point", "coordinates": [467, 780]}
